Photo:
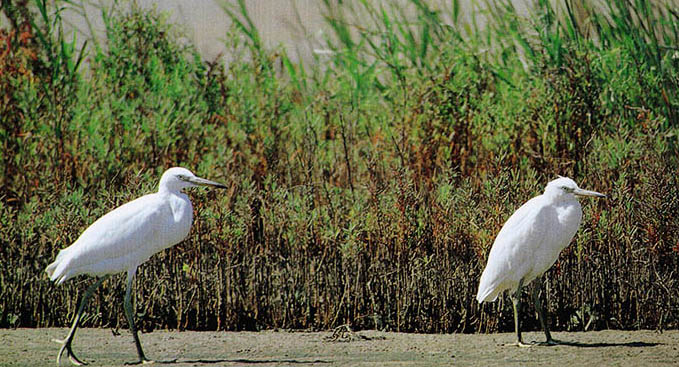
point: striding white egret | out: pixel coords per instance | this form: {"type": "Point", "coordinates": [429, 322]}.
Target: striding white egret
{"type": "Point", "coordinates": [123, 239]}
{"type": "Point", "coordinates": [529, 243]}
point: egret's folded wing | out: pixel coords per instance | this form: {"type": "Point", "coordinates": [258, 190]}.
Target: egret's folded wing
{"type": "Point", "coordinates": [112, 242]}
{"type": "Point", "coordinates": [510, 257]}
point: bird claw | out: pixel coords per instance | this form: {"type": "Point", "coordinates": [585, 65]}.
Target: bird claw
{"type": "Point", "coordinates": [66, 347]}
{"type": "Point", "coordinates": [141, 361]}
{"type": "Point", "coordinates": [518, 344]}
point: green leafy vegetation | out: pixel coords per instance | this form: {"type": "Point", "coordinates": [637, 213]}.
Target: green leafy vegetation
{"type": "Point", "coordinates": [366, 186]}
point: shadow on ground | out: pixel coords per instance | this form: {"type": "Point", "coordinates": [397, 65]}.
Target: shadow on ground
{"type": "Point", "coordinates": [251, 361]}
{"type": "Point", "coordinates": [608, 345]}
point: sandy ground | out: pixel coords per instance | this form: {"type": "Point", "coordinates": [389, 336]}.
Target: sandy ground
{"type": "Point", "coordinates": [99, 347]}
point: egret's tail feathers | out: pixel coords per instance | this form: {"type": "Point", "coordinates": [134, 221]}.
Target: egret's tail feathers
{"type": "Point", "coordinates": [56, 269]}
{"type": "Point", "coordinates": [52, 272]}
{"type": "Point", "coordinates": [488, 291]}
{"type": "Point", "coordinates": [50, 269]}
{"type": "Point", "coordinates": [487, 295]}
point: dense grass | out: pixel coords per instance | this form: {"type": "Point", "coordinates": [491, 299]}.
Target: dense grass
{"type": "Point", "coordinates": [365, 186]}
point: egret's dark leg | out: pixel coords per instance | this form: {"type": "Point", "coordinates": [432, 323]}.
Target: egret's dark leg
{"type": "Point", "coordinates": [66, 343]}
{"type": "Point", "coordinates": [541, 313]}
{"type": "Point", "coordinates": [516, 303]}
{"type": "Point", "coordinates": [130, 319]}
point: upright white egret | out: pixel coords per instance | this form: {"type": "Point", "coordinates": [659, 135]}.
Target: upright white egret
{"type": "Point", "coordinates": [123, 239]}
{"type": "Point", "coordinates": [529, 243]}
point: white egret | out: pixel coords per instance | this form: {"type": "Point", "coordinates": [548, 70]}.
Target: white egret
{"type": "Point", "coordinates": [123, 239]}
{"type": "Point", "coordinates": [529, 243]}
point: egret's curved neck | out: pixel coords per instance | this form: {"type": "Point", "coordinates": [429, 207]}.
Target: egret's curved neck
{"type": "Point", "coordinates": [165, 190]}
{"type": "Point", "coordinates": [559, 197]}
{"type": "Point", "coordinates": [169, 188]}
{"type": "Point", "coordinates": [181, 205]}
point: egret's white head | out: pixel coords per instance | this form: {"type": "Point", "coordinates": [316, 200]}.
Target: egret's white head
{"type": "Point", "coordinates": [177, 178]}
{"type": "Point", "coordinates": [565, 186]}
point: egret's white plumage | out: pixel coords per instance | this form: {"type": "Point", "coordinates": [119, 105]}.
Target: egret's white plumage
{"type": "Point", "coordinates": [126, 237]}
{"type": "Point", "coordinates": [530, 242]}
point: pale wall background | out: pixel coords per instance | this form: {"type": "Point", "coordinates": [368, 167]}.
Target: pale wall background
{"type": "Point", "coordinates": [296, 24]}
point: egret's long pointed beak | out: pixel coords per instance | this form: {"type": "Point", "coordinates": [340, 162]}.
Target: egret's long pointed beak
{"type": "Point", "coordinates": [582, 192]}
{"type": "Point", "coordinates": [205, 182]}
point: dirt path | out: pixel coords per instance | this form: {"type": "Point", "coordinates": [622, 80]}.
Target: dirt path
{"type": "Point", "coordinates": [33, 347]}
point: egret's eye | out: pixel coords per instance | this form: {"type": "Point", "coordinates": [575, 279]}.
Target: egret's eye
{"type": "Point", "coordinates": [567, 189]}
{"type": "Point", "coordinates": [183, 177]}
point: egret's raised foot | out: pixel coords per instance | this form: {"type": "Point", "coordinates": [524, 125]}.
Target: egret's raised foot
{"type": "Point", "coordinates": [66, 347]}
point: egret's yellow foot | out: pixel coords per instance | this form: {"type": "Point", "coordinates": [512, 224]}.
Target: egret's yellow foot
{"type": "Point", "coordinates": [66, 347]}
